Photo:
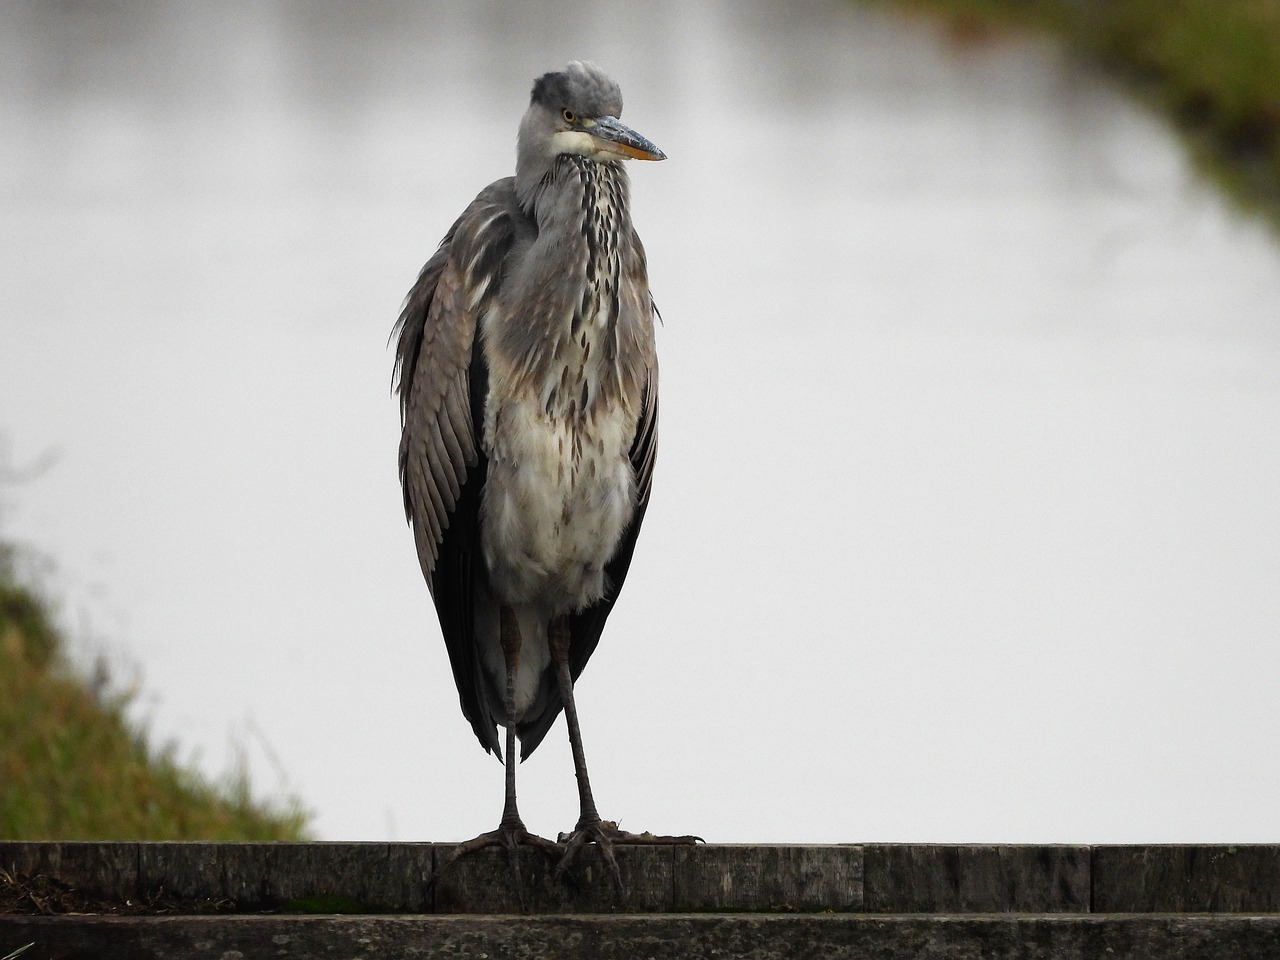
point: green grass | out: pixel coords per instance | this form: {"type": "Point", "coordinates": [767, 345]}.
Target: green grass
{"type": "Point", "coordinates": [73, 767]}
{"type": "Point", "coordinates": [1212, 65]}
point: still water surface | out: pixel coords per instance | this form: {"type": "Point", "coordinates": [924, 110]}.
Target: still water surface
{"type": "Point", "coordinates": [966, 522]}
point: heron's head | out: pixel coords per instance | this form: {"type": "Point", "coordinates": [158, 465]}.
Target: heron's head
{"type": "Point", "coordinates": [575, 111]}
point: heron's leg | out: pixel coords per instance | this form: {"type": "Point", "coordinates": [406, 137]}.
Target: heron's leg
{"type": "Point", "coordinates": [590, 827]}
{"type": "Point", "coordinates": [511, 832]}
{"type": "Point", "coordinates": [510, 638]}
{"type": "Point", "coordinates": [558, 640]}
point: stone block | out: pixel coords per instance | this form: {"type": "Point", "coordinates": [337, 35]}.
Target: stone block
{"type": "Point", "coordinates": [999, 878]}
{"type": "Point", "coordinates": [1186, 879]}
{"type": "Point", "coordinates": [755, 877]}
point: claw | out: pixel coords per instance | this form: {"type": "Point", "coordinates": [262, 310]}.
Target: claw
{"type": "Point", "coordinates": [601, 834]}
{"type": "Point", "coordinates": [509, 836]}
{"type": "Point", "coordinates": [604, 834]}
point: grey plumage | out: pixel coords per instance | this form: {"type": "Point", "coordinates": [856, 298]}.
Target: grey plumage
{"type": "Point", "coordinates": [527, 379]}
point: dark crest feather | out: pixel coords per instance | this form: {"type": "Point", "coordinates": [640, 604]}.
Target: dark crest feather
{"type": "Point", "coordinates": [582, 87]}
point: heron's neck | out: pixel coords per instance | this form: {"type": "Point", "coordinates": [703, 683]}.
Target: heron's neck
{"type": "Point", "coordinates": [581, 213]}
{"type": "Point", "coordinates": [573, 186]}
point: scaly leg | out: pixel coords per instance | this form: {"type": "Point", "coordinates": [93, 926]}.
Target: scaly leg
{"type": "Point", "coordinates": [511, 832]}
{"type": "Point", "coordinates": [590, 827]}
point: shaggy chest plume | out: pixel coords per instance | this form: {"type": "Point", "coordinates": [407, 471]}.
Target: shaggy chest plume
{"type": "Point", "coordinates": [559, 424]}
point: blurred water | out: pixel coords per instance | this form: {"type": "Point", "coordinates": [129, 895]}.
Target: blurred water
{"type": "Point", "coordinates": [965, 526]}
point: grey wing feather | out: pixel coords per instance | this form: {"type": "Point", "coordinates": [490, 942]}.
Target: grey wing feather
{"type": "Point", "coordinates": [442, 381]}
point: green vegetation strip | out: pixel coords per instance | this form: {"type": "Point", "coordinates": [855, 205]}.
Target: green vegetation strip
{"type": "Point", "coordinates": [1213, 65]}
{"type": "Point", "coordinates": [72, 766]}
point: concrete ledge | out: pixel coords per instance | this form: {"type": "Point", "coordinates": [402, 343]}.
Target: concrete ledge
{"type": "Point", "coordinates": [663, 937]}
{"type": "Point", "coordinates": [871, 878]}
{"type": "Point", "coordinates": [393, 878]}
{"type": "Point", "coordinates": [1185, 879]}
{"type": "Point", "coordinates": [928, 878]}
{"type": "Point", "coordinates": [870, 901]}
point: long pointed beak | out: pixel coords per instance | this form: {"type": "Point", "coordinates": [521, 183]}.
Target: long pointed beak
{"type": "Point", "coordinates": [614, 136]}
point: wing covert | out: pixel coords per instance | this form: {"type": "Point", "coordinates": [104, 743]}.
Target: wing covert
{"type": "Point", "coordinates": [442, 381]}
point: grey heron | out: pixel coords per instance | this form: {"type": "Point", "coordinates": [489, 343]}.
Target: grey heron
{"type": "Point", "coordinates": [528, 386]}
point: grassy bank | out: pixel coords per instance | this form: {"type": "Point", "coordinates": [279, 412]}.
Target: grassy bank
{"type": "Point", "coordinates": [72, 767]}
{"type": "Point", "coordinates": [1212, 65]}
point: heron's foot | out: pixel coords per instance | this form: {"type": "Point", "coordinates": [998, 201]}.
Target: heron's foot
{"type": "Point", "coordinates": [604, 834]}
{"type": "Point", "coordinates": [510, 836]}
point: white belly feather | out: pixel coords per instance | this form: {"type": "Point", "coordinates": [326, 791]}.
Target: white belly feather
{"type": "Point", "coordinates": [555, 506]}
{"type": "Point", "coordinates": [559, 495]}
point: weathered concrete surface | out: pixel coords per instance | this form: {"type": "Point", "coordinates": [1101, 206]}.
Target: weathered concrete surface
{"type": "Point", "coordinates": [108, 870]}
{"type": "Point", "coordinates": [928, 878]}
{"type": "Point", "coordinates": [777, 878]}
{"type": "Point", "coordinates": [873, 902]}
{"type": "Point", "coordinates": [371, 877]}
{"type": "Point", "coordinates": [1187, 879]}
{"type": "Point", "coordinates": [395, 878]}
{"type": "Point", "coordinates": [875, 878]}
{"type": "Point", "coordinates": [485, 883]}
{"type": "Point", "coordinates": [376, 877]}
{"type": "Point", "coordinates": [660, 879]}
{"type": "Point", "coordinates": [662, 937]}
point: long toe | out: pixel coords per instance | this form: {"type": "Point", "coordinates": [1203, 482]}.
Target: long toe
{"type": "Point", "coordinates": [609, 828]}
{"type": "Point", "coordinates": [601, 834]}
{"type": "Point", "coordinates": [605, 834]}
{"type": "Point", "coordinates": [509, 836]}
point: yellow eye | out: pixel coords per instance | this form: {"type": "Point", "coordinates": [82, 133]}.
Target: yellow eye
{"type": "Point", "coordinates": [568, 115]}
